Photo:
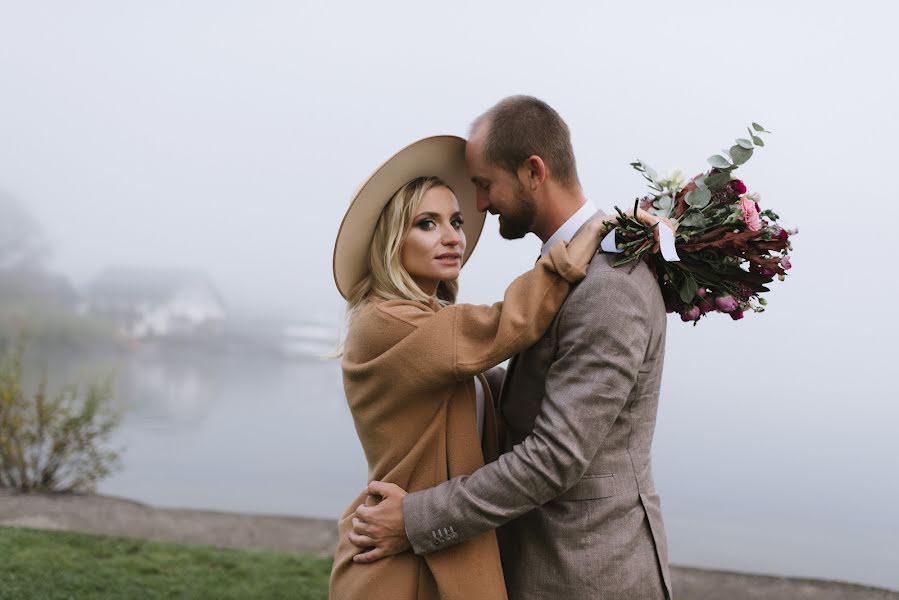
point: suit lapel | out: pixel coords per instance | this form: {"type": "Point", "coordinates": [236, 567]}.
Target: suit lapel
{"type": "Point", "coordinates": [510, 370]}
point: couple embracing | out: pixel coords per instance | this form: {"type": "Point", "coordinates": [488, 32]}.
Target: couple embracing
{"type": "Point", "coordinates": [525, 483]}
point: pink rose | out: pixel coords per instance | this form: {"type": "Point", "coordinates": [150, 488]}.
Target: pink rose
{"type": "Point", "coordinates": [701, 293]}
{"type": "Point", "coordinates": [690, 315]}
{"type": "Point", "coordinates": [726, 303]}
{"type": "Point", "coordinates": [750, 214]}
{"type": "Point", "coordinates": [785, 263]}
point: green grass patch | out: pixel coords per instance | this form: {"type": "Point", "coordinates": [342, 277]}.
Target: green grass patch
{"type": "Point", "coordinates": [53, 565]}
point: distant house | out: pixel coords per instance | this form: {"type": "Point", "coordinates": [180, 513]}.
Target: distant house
{"type": "Point", "coordinates": [155, 303]}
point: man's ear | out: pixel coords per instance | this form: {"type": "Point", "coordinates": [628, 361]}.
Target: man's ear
{"type": "Point", "coordinates": [532, 172]}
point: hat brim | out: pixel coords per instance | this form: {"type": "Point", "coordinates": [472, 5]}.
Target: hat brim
{"type": "Point", "coordinates": [440, 156]}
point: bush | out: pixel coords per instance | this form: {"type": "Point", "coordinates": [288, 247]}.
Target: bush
{"type": "Point", "coordinates": [53, 444]}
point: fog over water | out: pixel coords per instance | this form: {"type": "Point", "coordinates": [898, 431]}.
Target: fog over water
{"type": "Point", "coordinates": [227, 137]}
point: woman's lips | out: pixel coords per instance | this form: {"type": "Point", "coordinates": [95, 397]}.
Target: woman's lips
{"type": "Point", "coordinates": [450, 258]}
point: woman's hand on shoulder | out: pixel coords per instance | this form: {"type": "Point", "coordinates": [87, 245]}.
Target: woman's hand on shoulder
{"type": "Point", "coordinates": [585, 244]}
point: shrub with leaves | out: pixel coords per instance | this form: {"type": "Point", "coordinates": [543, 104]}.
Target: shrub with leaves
{"type": "Point", "coordinates": [54, 443]}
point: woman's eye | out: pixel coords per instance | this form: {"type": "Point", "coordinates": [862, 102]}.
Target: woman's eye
{"type": "Point", "coordinates": [457, 223]}
{"type": "Point", "coordinates": [426, 225]}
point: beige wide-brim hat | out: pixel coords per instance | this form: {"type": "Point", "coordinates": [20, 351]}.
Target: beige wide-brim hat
{"type": "Point", "coordinates": [440, 156]}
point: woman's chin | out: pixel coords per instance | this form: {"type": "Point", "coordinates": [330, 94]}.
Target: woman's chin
{"type": "Point", "coordinates": [450, 274]}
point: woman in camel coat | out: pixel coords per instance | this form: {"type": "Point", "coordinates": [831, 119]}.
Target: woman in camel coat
{"type": "Point", "coordinates": [413, 360]}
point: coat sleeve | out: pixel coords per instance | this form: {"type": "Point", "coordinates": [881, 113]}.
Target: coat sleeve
{"type": "Point", "coordinates": [602, 342]}
{"type": "Point", "coordinates": [463, 340]}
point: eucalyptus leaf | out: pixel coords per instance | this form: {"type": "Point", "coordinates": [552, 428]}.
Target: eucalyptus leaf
{"type": "Point", "coordinates": [740, 154]}
{"type": "Point", "coordinates": [687, 289]}
{"type": "Point", "coordinates": [694, 219]}
{"type": "Point", "coordinates": [717, 180]}
{"type": "Point", "coordinates": [744, 143]}
{"type": "Point", "coordinates": [719, 162]}
{"type": "Point", "coordinates": [651, 172]}
{"type": "Point", "coordinates": [699, 198]}
{"type": "Point", "coordinates": [758, 141]}
{"type": "Point", "coordinates": [758, 127]}
{"type": "Point", "coordinates": [664, 202]}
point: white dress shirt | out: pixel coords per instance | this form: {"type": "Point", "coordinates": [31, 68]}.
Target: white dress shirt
{"type": "Point", "coordinates": [479, 406]}
{"type": "Point", "coordinates": [570, 227]}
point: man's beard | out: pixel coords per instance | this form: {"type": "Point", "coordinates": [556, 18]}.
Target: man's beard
{"type": "Point", "coordinates": [515, 226]}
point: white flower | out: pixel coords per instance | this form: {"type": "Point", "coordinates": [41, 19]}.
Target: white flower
{"type": "Point", "coordinates": [673, 180]}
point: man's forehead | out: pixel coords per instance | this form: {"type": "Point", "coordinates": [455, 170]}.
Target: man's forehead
{"type": "Point", "coordinates": [474, 155]}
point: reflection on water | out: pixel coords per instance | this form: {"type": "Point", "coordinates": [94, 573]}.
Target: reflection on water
{"type": "Point", "coordinates": [173, 396]}
{"type": "Point", "coordinates": [254, 433]}
{"type": "Point", "coordinates": [236, 433]}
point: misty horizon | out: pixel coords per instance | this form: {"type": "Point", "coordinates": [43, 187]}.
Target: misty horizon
{"type": "Point", "coordinates": [228, 139]}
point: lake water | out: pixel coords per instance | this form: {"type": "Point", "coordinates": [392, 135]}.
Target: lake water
{"type": "Point", "coordinates": [260, 435]}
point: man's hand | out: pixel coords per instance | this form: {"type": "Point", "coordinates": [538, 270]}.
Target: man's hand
{"type": "Point", "coordinates": [652, 220]}
{"type": "Point", "coordinates": [643, 216]}
{"type": "Point", "coordinates": [380, 530]}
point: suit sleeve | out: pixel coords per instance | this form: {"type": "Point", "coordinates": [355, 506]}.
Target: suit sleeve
{"type": "Point", "coordinates": [466, 339]}
{"type": "Point", "coordinates": [603, 338]}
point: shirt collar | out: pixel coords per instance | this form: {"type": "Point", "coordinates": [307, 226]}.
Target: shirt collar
{"type": "Point", "coordinates": [570, 227]}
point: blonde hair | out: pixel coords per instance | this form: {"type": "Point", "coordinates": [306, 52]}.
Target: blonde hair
{"type": "Point", "coordinates": [387, 279]}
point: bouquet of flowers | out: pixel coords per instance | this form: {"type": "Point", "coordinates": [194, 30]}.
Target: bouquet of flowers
{"type": "Point", "coordinates": [727, 248]}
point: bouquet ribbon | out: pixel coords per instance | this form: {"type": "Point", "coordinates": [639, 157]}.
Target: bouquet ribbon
{"type": "Point", "coordinates": [666, 243]}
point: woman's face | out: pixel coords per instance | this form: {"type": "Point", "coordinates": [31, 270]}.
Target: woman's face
{"type": "Point", "coordinates": [433, 249]}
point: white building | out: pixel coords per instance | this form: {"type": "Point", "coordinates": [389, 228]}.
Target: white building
{"type": "Point", "coordinates": [147, 303]}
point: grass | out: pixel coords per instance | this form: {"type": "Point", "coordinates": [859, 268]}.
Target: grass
{"type": "Point", "coordinates": [52, 565]}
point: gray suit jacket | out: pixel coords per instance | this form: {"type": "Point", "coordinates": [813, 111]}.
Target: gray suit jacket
{"type": "Point", "coordinates": [575, 491]}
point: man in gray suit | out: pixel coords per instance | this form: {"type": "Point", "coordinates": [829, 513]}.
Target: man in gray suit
{"type": "Point", "coordinates": [573, 496]}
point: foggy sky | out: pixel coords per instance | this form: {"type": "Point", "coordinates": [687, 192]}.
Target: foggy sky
{"type": "Point", "coordinates": [229, 136]}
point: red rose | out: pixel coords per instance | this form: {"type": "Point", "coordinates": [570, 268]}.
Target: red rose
{"type": "Point", "coordinates": [761, 270]}
{"type": "Point", "coordinates": [738, 187]}
{"type": "Point", "coordinates": [736, 315]}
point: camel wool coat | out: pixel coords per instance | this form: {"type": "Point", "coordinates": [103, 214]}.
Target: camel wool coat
{"type": "Point", "coordinates": [408, 370]}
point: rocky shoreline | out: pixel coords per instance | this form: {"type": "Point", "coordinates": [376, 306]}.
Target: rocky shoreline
{"type": "Point", "coordinates": [107, 515]}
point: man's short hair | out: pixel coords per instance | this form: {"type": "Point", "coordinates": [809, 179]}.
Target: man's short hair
{"type": "Point", "coordinates": [521, 126]}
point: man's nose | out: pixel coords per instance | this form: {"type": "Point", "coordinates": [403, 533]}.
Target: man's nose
{"type": "Point", "coordinates": [483, 201]}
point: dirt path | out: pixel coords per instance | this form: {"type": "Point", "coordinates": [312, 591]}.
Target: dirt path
{"type": "Point", "coordinates": [114, 516]}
